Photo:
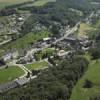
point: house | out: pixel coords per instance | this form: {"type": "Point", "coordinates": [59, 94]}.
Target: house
{"type": "Point", "coordinates": [13, 84]}
{"type": "Point", "coordinates": [7, 56]}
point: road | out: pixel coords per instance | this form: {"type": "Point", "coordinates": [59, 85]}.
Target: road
{"type": "Point", "coordinates": [30, 52]}
{"type": "Point", "coordinates": [67, 33]}
{"type": "Point", "coordinates": [4, 42]}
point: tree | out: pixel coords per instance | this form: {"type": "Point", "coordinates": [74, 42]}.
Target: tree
{"type": "Point", "coordinates": [95, 53]}
{"type": "Point", "coordinates": [88, 84]}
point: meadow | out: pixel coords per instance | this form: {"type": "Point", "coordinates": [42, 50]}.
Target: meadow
{"type": "Point", "coordinates": [4, 3]}
{"type": "Point", "coordinates": [84, 29]}
{"type": "Point", "coordinates": [42, 2]}
{"type": "Point", "coordinates": [93, 74]}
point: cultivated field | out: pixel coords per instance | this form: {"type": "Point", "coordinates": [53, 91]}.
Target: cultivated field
{"type": "Point", "coordinates": [10, 73]}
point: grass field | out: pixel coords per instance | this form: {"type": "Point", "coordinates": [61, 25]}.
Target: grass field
{"type": "Point", "coordinates": [4, 3]}
{"type": "Point", "coordinates": [83, 30]}
{"type": "Point", "coordinates": [49, 51]}
{"type": "Point", "coordinates": [88, 30]}
{"type": "Point", "coordinates": [93, 74]}
{"type": "Point", "coordinates": [42, 2]}
{"type": "Point", "coordinates": [10, 73]}
{"type": "Point", "coordinates": [37, 65]}
{"type": "Point", "coordinates": [26, 40]}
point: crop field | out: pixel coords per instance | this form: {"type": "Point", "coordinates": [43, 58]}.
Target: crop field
{"type": "Point", "coordinates": [37, 65]}
{"type": "Point", "coordinates": [42, 2]}
{"type": "Point", "coordinates": [4, 3]}
{"type": "Point", "coordinates": [93, 74]}
{"type": "Point", "coordinates": [10, 73]}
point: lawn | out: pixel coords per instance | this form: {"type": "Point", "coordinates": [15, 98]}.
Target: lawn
{"type": "Point", "coordinates": [93, 74]}
{"type": "Point", "coordinates": [48, 51]}
{"type": "Point", "coordinates": [42, 2]}
{"type": "Point", "coordinates": [37, 65]}
{"type": "Point", "coordinates": [10, 73]}
{"type": "Point", "coordinates": [4, 3]}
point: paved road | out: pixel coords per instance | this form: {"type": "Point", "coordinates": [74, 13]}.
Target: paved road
{"type": "Point", "coordinates": [4, 42]}
{"type": "Point", "coordinates": [68, 32]}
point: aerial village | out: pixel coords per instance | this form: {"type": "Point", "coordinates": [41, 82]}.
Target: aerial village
{"type": "Point", "coordinates": [44, 50]}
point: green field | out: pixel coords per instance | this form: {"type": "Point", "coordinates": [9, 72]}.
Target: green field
{"type": "Point", "coordinates": [26, 40]}
{"type": "Point", "coordinates": [10, 73]}
{"type": "Point", "coordinates": [49, 51]}
{"type": "Point", "coordinates": [37, 65]}
{"type": "Point", "coordinates": [88, 30]}
{"type": "Point", "coordinates": [4, 3]}
{"type": "Point", "coordinates": [93, 74]}
{"type": "Point", "coordinates": [84, 29]}
{"type": "Point", "coordinates": [42, 2]}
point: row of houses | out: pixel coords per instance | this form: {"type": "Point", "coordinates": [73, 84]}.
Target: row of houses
{"type": "Point", "coordinates": [13, 84]}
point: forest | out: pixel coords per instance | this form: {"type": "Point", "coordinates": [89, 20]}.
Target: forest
{"type": "Point", "coordinates": [55, 83]}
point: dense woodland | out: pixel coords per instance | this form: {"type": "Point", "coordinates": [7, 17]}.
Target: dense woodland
{"type": "Point", "coordinates": [55, 83]}
{"type": "Point", "coordinates": [58, 13]}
